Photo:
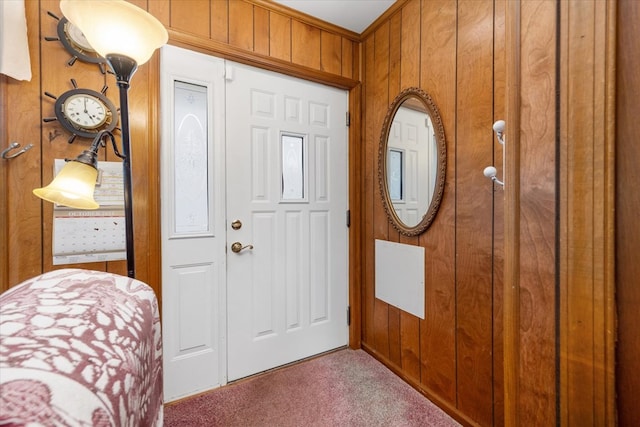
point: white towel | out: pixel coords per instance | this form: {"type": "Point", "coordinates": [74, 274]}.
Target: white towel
{"type": "Point", "coordinates": [14, 45]}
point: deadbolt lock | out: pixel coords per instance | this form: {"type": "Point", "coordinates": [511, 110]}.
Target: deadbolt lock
{"type": "Point", "coordinates": [236, 225]}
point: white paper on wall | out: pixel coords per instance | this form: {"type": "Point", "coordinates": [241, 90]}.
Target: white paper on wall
{"type": "Point", "coordinates": [400, 276]}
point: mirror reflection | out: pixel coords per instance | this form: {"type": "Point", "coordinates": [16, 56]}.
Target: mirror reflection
{"type": "Point", "coordinates": [412, 161]}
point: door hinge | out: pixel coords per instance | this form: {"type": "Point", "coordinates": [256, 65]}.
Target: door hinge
{"type": "Point", "coordinates": [348, 315]}
{"type": "Point", "coordinates": [348, 119]}
{"type": "Point", "coordinates": [348, 218]}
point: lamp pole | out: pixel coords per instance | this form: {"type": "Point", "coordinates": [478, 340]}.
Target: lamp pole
{"type": "Point", "coordinates": [124, 68]}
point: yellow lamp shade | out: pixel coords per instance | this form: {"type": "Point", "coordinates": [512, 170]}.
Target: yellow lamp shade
{"type": "Point", "coordinates": [116, 27]}
{"type": "Point", "coordinates": [73, 187]}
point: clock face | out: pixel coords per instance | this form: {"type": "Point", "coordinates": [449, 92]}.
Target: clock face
{"type": "Point", "coordinates": [85, 111]}
{"type": "Point", "coordinates": [76, 36]}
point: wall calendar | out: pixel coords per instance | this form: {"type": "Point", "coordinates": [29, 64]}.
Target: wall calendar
{"type": "Point", "coordinates": [81, 236]}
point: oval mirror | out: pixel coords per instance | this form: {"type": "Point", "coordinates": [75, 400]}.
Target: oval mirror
{"type": "Point", "coordinates": [412, 161]}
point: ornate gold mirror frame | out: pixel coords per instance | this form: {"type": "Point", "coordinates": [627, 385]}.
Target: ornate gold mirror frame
{"type": "Point", "coordinates": [391, 159]}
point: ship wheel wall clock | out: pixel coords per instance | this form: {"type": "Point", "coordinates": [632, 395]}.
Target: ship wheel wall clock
{"type": "Point", "coordinates": [75, 43]}
{"type": "Point", "coordinates": [84, 112]}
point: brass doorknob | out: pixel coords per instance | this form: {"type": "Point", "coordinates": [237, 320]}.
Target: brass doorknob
{"type": "Point", "coordinates": [237, 247]}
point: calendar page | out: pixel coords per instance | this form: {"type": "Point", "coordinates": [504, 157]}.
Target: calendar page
{"type": "Point", "coordinates": [81, 236]}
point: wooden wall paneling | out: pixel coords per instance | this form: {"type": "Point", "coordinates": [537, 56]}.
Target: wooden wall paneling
{"type": "Point", "coordinates": [356, 191]}
{"type": "Point", "coordinates": [406, 26]}
{"type": "Point", "coordinates": [161, 10]}
{"type": "Point", "coordinates": [305, 44]}
{"type": "Point", "coordinates": [511, 293]}
{"type": "Point", "coordinates": [411, 30]}
{"type": "Point", "coordinates": [395, 56]}
{"type": "Point", "coordinates": [370, 189]}
{"type": "Point", "coordinates": [537, 211]}
{"type": "Point", "coordinates": [604, 235]}
{"type": "Point", "coordinates": [586, 216]}
{"type": "Point", "coordinates": [627, 207]}
{"type": "Point", "coordinates": [576, 327]}
{"type": "Point", "coordinates": [261, 30]}
{"type": "Point", "coordinates": [22, 216]}
{"type": "Point", "coordinates": [381, 225]}
{"type": "Point", "coordinates": [192, 16]}
{"type": "Point", "coordinates": [474, 216]}
{"type": "Point", "coordinates": [393, 88]}
{"type": "Point", "coordinates": [499, 99]}
{"type": "Point", "coordinates": [350, 60]}
{"type": "Point", "coordinates": [219, 20]}
{"type": "Point", "coordinates": [150, 271]}
{"type": "Point", "coordinates": [4, 186]}
{"type": "Point", "coordinates": [437, 77]}
{"type": "Point", "coordinates": [241, 25]}
{"type": "Point", "coordinates": [56, 79]}
{"type": "Point", "coordinates": [330, 52]}
{"type": "Point", "coordinates": [280, 36]}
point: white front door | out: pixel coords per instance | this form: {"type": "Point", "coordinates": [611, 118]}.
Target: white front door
{"type": "Point", "coordinates": [287, 159]}
{"type": "Point", "coordinates": [193, 229]}
{"type": "Point", "coordinates": [284, 178]}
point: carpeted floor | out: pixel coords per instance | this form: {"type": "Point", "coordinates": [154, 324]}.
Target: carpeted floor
{"type": "Point", "coordinates": [344, 388]}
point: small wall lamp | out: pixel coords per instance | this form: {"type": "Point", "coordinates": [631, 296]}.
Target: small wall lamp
{"type": "Point", "coordinates": [491, 171]}
{"type": "Point", "coordinates": [126, 36]}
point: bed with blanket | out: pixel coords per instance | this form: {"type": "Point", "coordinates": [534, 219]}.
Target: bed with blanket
{"type": "Point", "coordinates": [80, 348]}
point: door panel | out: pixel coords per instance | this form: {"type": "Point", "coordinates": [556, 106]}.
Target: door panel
{"type": "Point", "coordinates": [287, 183]}
{"type": "Point", "coordinates": [193, 232]}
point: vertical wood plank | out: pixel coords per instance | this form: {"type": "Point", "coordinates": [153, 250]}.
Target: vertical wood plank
{"type": "Point", "coordinates": [627, 207]}
{"type": "Point", "coordinates": [22, 218]}
{"type": "Point", "coordinates": [219, 20]}
{"type": "Point", "coordinates": [330, 52]}
{"type": "Point", "coordinates": [261, 30]}
{"type": "Point", "coordinates": [356, 200]}
{"type": "Point", "coordinates": [4, 189]}
{"type": "Point", "coordinates": [511, 294]}
{"type": "Point", "coordinates": [499, 89]}
{"type": "Point", "coordinates": [410, 46]}
{"type": "Point", "coordinates": [586, 272]}
{"type": "Point", "coordinates": [474, 215]}
{"type": "Point", "coordinates": [347, 58]}
{"type": "Point", "coordinates": [380, 90]}
{"type": "Point", "coordinates": [393, 88]}
{"type": "Point", "coordinates": [406, 29]}
{"type": "Point", "coordinates": [305, 44]}
{"type": "Point", "coordinates": [370, 182]}
{"type": "Point", "coordinates": [241, 25]}
{"type": "Point", "coordinates": [191, 16]}
{"type": "Point", "coordinates": [537, 196]}
{"type": "Point", "coordinates": [161, 10]}
{"type": "Point", "coordinates": [280, 36]}
{"type": "Point", "coordinates": [437, 341]}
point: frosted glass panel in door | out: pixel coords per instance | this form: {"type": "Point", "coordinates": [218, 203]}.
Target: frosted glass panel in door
{"type": "Point", "coordinates": [190, 159]}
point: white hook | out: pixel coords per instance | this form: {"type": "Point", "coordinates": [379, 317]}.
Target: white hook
{"type": "Point", "coordinates": [491, 171]}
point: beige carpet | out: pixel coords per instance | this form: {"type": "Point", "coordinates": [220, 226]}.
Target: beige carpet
{"type": "Point", "coordinates": [343, 388]}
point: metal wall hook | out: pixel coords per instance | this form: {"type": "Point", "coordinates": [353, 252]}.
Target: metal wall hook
{"type": "Point", "coordinates": [5, 153]}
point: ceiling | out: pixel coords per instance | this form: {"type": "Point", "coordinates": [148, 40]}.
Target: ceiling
{"type": "Point", "coordinates": [354, 15]}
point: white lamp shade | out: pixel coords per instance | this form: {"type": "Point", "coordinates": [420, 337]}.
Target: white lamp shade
{"type": "Point", "coordinates": [73, 187]}
{"type": "Point", "coordinates": [116, 27]}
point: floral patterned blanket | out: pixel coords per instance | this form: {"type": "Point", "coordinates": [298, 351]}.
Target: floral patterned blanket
{"type": "Point", "coordinates": [80, 348]}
